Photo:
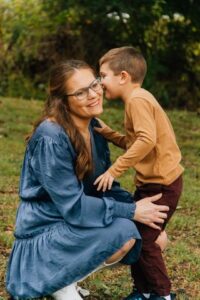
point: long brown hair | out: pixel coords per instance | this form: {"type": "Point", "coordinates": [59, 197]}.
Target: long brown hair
{"type": "Point", "coordinates": [56, 108]}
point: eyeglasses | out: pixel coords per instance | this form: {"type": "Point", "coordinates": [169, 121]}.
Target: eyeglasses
{"type": "Point", "coordinates": [84, 92]}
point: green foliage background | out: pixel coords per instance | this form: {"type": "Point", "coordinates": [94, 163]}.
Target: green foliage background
{"type": "Point", "coordinates": [35, 34]}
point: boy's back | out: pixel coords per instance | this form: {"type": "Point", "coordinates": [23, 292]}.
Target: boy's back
{"type": "Point", "coordinates": [150, 141]}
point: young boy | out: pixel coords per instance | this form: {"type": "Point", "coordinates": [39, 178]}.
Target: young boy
{"type": "Point", "coordinates": [151, 149]}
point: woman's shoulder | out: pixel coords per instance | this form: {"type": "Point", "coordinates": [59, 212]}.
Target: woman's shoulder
{"type": "Point", "coordinates": [50, 130]}
{"type": "Point", "coordinates": [50, 133]}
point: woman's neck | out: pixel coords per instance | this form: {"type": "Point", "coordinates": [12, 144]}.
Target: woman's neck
{"type": "Point", "coordinates": [82, 125]}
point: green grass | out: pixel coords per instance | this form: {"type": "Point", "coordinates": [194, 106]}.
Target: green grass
{"type": "Point", "coordinates": [183, 253]}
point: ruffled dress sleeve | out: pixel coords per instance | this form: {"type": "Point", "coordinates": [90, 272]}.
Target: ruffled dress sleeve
{"type": "Point", "coordinates": [53, 165]}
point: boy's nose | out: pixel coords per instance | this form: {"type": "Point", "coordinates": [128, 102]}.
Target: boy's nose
{"type": "Point", "coordinates": [102, 84]}
{"type": "Point", "coordinates": [102, 80]}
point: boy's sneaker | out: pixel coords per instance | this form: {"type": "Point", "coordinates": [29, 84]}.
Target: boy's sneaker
{"type": "Point", "coordinates": [135, 295]}
{"type": "Point", "coordinates": [157, 297]}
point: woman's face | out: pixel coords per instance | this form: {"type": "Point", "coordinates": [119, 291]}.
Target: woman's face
{"type": "Point", "coordinates": [88, 99]}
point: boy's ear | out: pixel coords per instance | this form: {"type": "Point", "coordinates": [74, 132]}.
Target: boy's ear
{"type": "Point", "coordinates": [124, 77]}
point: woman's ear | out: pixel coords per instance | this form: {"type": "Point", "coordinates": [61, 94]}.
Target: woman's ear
{"type": "Point", "coordinates": [124, 77]}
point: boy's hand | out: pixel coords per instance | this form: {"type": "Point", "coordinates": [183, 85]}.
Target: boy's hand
{"type": "Point", "coordinates": [104, 181]}
{"type": "Point", "coordinates": [100, 129]}
{"type": "Point", "coordinates": [103, 125]}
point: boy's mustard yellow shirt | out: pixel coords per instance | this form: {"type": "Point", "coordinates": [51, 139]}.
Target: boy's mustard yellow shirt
{"type": "Point", "coordinates": [150, 142]}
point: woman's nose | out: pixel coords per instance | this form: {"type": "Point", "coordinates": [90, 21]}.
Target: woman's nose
{"type": "Point", "coordinates": [91, 93]}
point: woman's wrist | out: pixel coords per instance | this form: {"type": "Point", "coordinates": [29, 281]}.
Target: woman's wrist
{"type": "Point", "coordinates": [124, 210]}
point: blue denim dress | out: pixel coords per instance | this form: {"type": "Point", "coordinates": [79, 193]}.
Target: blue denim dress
{"type": "Point", "coordinates": [64, 227]}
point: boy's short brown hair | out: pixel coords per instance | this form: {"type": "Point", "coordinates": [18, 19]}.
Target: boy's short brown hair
{"type": "Point", "coordinates": [127, 59]}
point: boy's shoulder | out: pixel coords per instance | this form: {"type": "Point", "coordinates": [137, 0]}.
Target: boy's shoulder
{"type": "Point", "coordinates": [141, 96]}
{"type": "Point", "coordinates": [143, 93]}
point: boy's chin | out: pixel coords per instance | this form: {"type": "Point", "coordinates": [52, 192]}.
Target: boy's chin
{"type": "Point", "coordinates": [109, 97]}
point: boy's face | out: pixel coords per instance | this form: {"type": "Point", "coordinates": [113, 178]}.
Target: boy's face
{"type": "Point", "coordinates": [110, 82]}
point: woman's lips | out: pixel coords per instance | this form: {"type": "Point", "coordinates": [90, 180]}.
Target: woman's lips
{"type": "Point", "coordinates": [94, 103]}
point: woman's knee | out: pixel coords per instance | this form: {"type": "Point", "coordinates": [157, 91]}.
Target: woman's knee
{"type": "Point", "coordinates": [162, 240]}
{"type": "Point", "coordinates": [127, 246]}
{"type": "Point", "coordinates": [117, 256]}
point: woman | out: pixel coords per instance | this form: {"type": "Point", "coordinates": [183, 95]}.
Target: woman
{"type": "Point", "coordinates": [65, 229]}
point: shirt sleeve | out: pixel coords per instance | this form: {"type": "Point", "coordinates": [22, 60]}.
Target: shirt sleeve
{"type": "Point", "coordinates": [141, 115]}
{"type": "Point", "coordinates": [53, 166]}
{"type": "Point", "coordinates": [113, 136]}
{"type": "Point", "coordinates": [116, 191]}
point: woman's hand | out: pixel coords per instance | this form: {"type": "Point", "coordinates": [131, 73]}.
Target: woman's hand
{"type": "Point", "coordinates": [149, 213]}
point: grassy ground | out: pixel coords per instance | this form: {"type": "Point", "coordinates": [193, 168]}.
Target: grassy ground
{"type": "Point", "coordinates": [183, 254]}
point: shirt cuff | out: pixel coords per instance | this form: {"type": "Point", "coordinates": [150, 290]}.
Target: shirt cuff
{"type": "Point", "coordinates": [124, 210]}
{"type": "Point", "coordinates": [113, 172]}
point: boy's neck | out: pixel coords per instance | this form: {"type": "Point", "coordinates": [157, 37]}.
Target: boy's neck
{"type": "Point", "coordinates": [127, 92]}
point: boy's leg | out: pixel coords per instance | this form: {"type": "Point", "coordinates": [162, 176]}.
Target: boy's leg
{"type": "Point", "coordinates": [149, 272]}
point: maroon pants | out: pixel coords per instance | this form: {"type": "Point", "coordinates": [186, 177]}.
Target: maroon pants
{"type": "Point", "coordinates": [149, 272]}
